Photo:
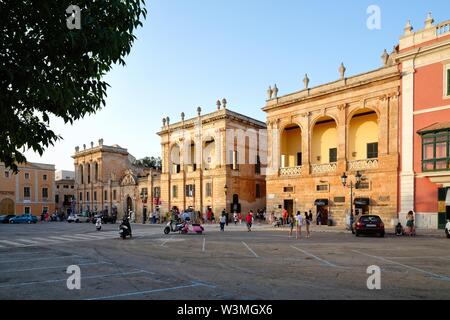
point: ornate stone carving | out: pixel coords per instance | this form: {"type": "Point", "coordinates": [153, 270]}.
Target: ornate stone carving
{"type": "Point", "coordinates": [385, 58]}
{"type": "Point", "coordinates": [275, 91]}
{"type": "Point", "coordinates": [429, 21]}
{"type": "Point", "coordinates": [199, 111]}
{"type": "Point", "coordinates": [100, 142]}
{"type": "Point", "coordinates": [360, 165]}
{"type": "Point", "coordinates": [168, 120]}
{"type": "Point", "coordinates": [269, 93]}
{"type": "Point", "coordinates": [182, 116]}
{"type": "Point", "coordinates": [293, 171]}
{"type": "Point", "coordinates": [408, 28]}
{"type": "Point", "coordinates": [77, 149]}
{"type": "Point", "coordinates": [323, 168]}
{"type": "Point", "coordinates": [164, 122]}
{"type": "Point", "coordinates": [224, 103]}
{"type": "Point", "coordinates": [218, 104]}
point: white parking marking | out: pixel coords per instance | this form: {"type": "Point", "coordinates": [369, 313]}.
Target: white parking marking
{"type": "Point", "coordinates": [435, 275]}
{"type": "Point", "coordinates": [162, 244]}
{"type": "Point", "coordinates": [12, 243]}
{"type": "Point", "coordinates": [44, 239]}
{"type": "Point", "coordinates": [65, 279]}
{"type": "Point", "coordinates": [315, 257]}
{"type": "Point", "coordinates": [250, 249]}
{"type": "Point", "coordinates": [204, 243]}
{"type": "Point", "coordinates": [56, 267]}
{"type": "Point", "coordinates": [27, 240]}
{"type": "Point", "coordinates": [193, 285]}
{"type": "Point", "coordinates": [38, 259]}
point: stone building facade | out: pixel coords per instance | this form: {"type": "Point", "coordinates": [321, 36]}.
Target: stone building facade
{"type": "Point", "coordinates": [32, 190]}
{"type": "Point", "coordinates": [65, 191]}
{"type": "Point", "coordinates": [317, 134]}
{"type": "Point", "coordinates": [107, 178]}
{"type": "Point", "coordinates": [213, 160]}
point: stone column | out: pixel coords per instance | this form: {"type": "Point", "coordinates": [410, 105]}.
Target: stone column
{"type": "Point", "coordinates": [342, 138]}
{"type": "Point", "coordinates": [383, 126]}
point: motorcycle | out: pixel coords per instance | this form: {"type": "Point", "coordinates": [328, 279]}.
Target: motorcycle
{"type": "Point", "coordinates": [173, 226]}
{"type": "Point", "coordinates": [124, 231]}
{"type": "Point", "coordinates": [98, 224]}
{"type": "Point", "coordinates": [196, 228]}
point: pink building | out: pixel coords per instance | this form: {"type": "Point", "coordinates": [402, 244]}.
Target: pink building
{"type": "Point", "coordinates": [424, 179]}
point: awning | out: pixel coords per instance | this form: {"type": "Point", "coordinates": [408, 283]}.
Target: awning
{"type": "Point", "coordinates": [321, 202]}
{"type": "Point", "coordinates": [362, 202]}
{"type": "Point", "coordinates": [447, 198]}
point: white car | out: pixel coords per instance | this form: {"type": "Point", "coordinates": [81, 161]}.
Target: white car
{"type": "Point", "coordinates": [447, 229]}
{"type": "Point", "coordinates": [78, 218]}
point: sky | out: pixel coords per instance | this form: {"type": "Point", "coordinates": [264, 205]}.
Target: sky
{"type": "Point", "coordinates": [191, 53]}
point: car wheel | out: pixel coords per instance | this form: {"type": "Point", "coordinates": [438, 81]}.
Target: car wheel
{"type": "Point", "coordinates": [29, 222]}
{"type": "Point", "coordinates": [382, 235]}
{"type": "Point", "coordinates": [357, 233]}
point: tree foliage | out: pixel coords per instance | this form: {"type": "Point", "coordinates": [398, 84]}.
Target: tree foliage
{"type": "Point", "coordinates": [150, 162]}
{"type": "Point", "coordinates": [47, 69]}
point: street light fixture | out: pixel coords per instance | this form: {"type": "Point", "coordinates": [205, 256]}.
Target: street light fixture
{"type": "Point", "coordinates": [344, 178]}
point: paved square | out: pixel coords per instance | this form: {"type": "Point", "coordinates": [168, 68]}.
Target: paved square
{"type": "Point", "coordinates": [236, 264]}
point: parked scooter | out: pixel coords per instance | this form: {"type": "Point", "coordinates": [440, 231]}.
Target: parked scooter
{"type": "Point", "coordinates": [98, 224]}
{"type": "Point", "coordinates": [173, 226]}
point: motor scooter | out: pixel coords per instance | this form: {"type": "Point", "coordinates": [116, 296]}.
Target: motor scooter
{"type": "Point", "coordinates": [98, 224]}
{"type": "Point", "coordinates": [196, 228]}
{"type": "Point", "coordinates": [173, 226]}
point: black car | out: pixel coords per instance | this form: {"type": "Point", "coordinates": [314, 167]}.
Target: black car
{"type": "Point", "coordinates": [369, 224]}
{"type": "Point", "coordinates": [5, 219]}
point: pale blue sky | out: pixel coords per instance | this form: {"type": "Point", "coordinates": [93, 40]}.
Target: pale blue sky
{"type": "Point", "coordinates": [190, 53]}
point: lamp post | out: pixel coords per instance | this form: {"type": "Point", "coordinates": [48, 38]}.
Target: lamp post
{"type": "Point", "coordinates": [143, 197]}
{"type": "Point", "coordinates": [352, 185]}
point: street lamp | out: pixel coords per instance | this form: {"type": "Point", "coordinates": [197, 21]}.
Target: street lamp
{"type": "Point", "coordinates": [344, 178]}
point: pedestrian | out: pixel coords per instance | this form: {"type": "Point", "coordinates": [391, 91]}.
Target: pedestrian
{"type": "Point", "coordinates": [43, 216]}
{"type": "Point", "coordinates": [223, 219]}
{"type": "Point", "coordinates": [235, 218]}
{"type": "Point", "coordinates": [240, 217]}
{"type": "Point", "coordinates": [227, 217]}
{"type": "Point", "coordinates": [399, 230]}
{"type": "Point", "coordinates": [284, 216]}
{"type": "Point", "coordinates": [224, 213]}
{"type": "Point", "coordinates": [319, 217]}
{"type": "Point", "coordinates": [46, 216]}
{"type": "Point", "coordinates": [411, 230]}
{"type": "Point", "coordinates": [249, 220]}
{"type": "Point", "coordinates": [308, 220]}
{"type": "Point", "coordinates": [299, 225]}
{"type": "Point", "coordinates": [144, 217]}
{"type": "Point", "coordinates": [213, 218]}
{"type": "Point", "coordinates": [291, 222]}
{"type": "Point", "coordinates": [209, 215]}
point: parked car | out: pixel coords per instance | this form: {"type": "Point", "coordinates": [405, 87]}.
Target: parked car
{"type": "Point", "coordinates": [369, 224]}
{"type": "Point", "coordinates": [25, 218]}
{"type": "Point", "coordinates": [447, 229]}
{"type": "Point", "coordinates": [5, 219]}
{"type": "Point", "coordinates": [77, 218]}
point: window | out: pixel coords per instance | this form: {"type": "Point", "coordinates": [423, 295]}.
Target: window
{"type": "Point", "coordinates": [66, 186]}
{"type": "Point", "coordinates": [299, 159]}
{"type": "Point", "coordinates": [333, 155]}
{"type": "Point", "coordinates": [45, 209]}
{"type": "Point", "coordinates": [372, 150]}
{"type": "Point", "coordinates": [95, 195]}
{"type": "Point", "coordinates": [105, 197]}
{"type": "Point", "coordinates": [45, 177]}
{"type": "Point", "coordinates": [447, 81]}
{"type": "Point", "coordinates": [114, 195]}
{"type": "Point", "coordinates": [258, 165]}
{"type": "Point", "coordinates": [209, 189]}
{"type": "Point", "coordinates": [87, 196]}
{"type": "Point", "coordinates": [233, 160]}
{"type": "Point", "coordinates": [27, 175]}
{"type": "Point", "coordinates": [71, 187]}
{"type": "Point", "coordinates": [26, 192]}
{"type": "Point", "coordinates": [57, 187]}
{"type": "Point", "coordinates": [435, 151]}
{"type": "Point", "coordinates": [322, 187]}
{"type": "Point", "coordinates": [56, 198]}
{"type": "Point", "coordinates": [6, 174]}
{"type": "Point", "coordinates": [45, 193]}
{"type": "Point", "coordinates": [174, 191]}
{"type": "Point", "coordinates": [258, 191]}
{"type": "Point", "coordinates": [288, 189]}
{"type": "Point", "coordinates": [81, 196]}
{"type": "Point", "coordinates": [156, 192]}
{"type": "Point", "coordinates": [27, 210]}
{"type": "Point", "coordinates": [190, 190]}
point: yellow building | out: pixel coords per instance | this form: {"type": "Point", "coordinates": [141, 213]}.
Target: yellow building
{"type": "Point", "coordinates": [107, 178]}
{"type": "Point", "coordinates": [213, 161]}
{"type": "Point", "coordinates": [65, 191]}
{"type": "Point", "coordinates": [32, 190]}
{"type": "Point", "coordinates": [318, 134]}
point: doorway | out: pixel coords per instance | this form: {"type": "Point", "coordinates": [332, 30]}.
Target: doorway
{"type": "Point", "coordinates": [6, 207]}
{"type": "Point", "coordinates": [289, 206]}
{"type": "Point", "coordinates": [129, 204]}
{"type": "Point", "coordinates": [235, 205]}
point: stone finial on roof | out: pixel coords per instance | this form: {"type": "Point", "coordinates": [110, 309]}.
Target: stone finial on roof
{"type": "Point", "coordinates": [164, 122]}
{"type": "Point", "coordinates": [168, 120]}
{"type": "Point", "coordinates": [385, 58]}
{"type": "Point", "coordinates": [92, 144]}
{"type": "Point", "coordinates": [342, 70]}
{"type": "Point", "coordinates": [429, 21]}
{"type": "Point", "coordinates": [218, 104]}
{"type": "Point", "coordinates": [224, 103]}
{"type": "Point", "coordinates": [408, 28]}
{"type": "Point", "coordinates": [269, 93]}
{"type": "Point", "coordinates": [275, 91]}
{"type": "Point", "coordinates": [182, 116]}
{"type": "Point", "coordinates": [100, 142]}
{"type": "Point", "coordinates": [199, 111]}
{"type": "Point", "coordinates": [84, 146]}
{"type": "Point", "coordinates": [306, 81]}
{"type": "Point", "coordinates": [77, 149]}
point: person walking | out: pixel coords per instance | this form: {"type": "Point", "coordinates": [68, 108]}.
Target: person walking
{"type": "Point", "coordinates": [319, 217]}
{"type": "Point", "coordinates": [308, 221]}
{"type": "Point", "coordinates": [411, 230]}
{"type": "Point", "coordinates": [223, 219]}
{"type": "Point", "coordinates": [224, 213]}
{"type": "Point", "coordinates": [249, 220]}
{"type": "Point", "coordinates": [284, 216]}
{"type": "Point", "coordinates": [291, 222]}
{"type": "Point", "coordinates": [235, 218]}
{"type": "Point", "coordinates": [240, 217]}
{"type": "Point", "coordinates": [299, 225]}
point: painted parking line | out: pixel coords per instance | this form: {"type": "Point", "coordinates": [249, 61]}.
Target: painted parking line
{"type": "Point", "coordinates": [434, 275]}
{"type": "Point", "coordinates": [28, 241]}
{"type": "Point", "coordinates": [56, 267]}
{"type": "Point", "coordinates": [22, 284]}
{"type": "Point", "coordinates": [39, 259]}
{"type": "Point", "coordinates": [250, 249]}
{"type": "Point", "coordinates": [138, 293]}
{"type": "Point", "coordinates": [44, 240]}
{"type": "Point", "coordinates": [12, 243]}
{"type": "Point", "coordinates": [328, 263]}
{"type": "Point", "coordinates": [204, 244]}
{"type": "Point", "coordinates": [165, 241]}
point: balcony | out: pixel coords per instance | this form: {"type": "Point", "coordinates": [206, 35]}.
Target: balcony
{"type": "Point", "coordinates": [323, 168]}
{"type": "Point", "coordinates": [291, 171]}
{"type": "Point", "coordinates": [360, 165]}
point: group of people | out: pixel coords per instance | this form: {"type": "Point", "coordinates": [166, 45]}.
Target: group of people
{"type": "Point", "coordinates": [410, 229]}
{"type": "Point", "coordinates": [298, 221]}
{"type": "Point", "coordinates": [56, 216]}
